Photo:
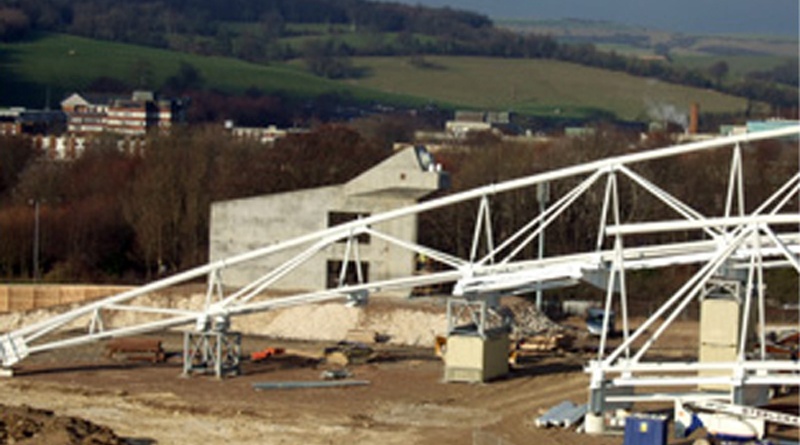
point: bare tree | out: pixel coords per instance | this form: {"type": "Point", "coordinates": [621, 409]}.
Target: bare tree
{"type": "Point", "coordinates": [167, 203]}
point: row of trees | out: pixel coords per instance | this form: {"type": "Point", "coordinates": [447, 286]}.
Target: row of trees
{"type": "Point", "coordinates": [155, 22]}
{"type": "Point", "coordinates": [785, 73]}
{"type": "Point", "coordinates": [111, 215]}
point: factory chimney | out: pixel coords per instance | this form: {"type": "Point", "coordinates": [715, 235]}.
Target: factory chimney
{"type": "Point", "coordinates": [694, 115]}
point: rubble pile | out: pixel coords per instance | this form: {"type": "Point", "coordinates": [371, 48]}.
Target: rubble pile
{"type": "Point", "coordinates": [528, 321]}
{"type": "Point", "coordinates": [26, 425]}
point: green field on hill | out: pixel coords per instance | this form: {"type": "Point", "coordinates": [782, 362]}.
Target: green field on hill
{"type": "Point", "coordinates": [63, 64]}
{"type": "Point", "coordinates": [542, 87]}
{"type": "Point", "coordinates": [56, 65]}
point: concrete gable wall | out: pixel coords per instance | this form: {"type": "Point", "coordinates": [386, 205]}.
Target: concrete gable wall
{"type": "Point", "coordinates": [242, 225]}
{"type": "Point", "coordinates": [399, 175]}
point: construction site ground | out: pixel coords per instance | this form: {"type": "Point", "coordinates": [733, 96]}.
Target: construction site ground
{"type": "Point", "coordinates": [405, 402]}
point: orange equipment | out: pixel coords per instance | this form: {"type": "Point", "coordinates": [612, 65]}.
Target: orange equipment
{"type": "Point", "coordinates": [265, 354]}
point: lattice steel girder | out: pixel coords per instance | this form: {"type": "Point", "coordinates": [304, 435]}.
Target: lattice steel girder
{"type": "Point", "coordinates": [683, 225]}
{"type": "Point", "coordinates": [17, 344]}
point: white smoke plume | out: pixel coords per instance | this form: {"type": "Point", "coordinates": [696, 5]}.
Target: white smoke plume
{"type": "Point", "coordinates": [664, 112]}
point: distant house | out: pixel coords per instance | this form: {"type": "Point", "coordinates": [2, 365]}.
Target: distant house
{"type": "Point", "coordinates": [241, 225]}
{"type": "Point", "coordinates": [466, 122]}
{"type": "Point", "coordinates": [579, 132]}
{"type": "Point", "coordinates": [137, 115]}
{"type": "Point", "coordinates": [263, 135]}
{"type": "Point", "coordinates": [18, 121]}
{"type": "Point", "coordinates": [461, 129]}
{"type": "Point", "coordinates": [653, 57]}
{"type": "Point", "coordinates": [10, 124]}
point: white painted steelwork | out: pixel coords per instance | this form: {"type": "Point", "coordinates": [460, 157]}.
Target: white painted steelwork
{"type": "Point", "coordinates": [767, 236]}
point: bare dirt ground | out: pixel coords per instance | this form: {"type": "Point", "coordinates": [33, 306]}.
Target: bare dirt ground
{"type": "Point", "coordinates": [405, 402]}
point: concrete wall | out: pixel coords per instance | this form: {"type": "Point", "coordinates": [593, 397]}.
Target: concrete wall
{"type": "Point", "coordinates": [243, 225]}
{"type": "Point", "coordinates": [410, 175]}
{"type": "Point", "coordinates": [18, 298]}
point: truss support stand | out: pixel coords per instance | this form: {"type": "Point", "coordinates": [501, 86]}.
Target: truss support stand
{"type": "Point", "coordinates": [737, 395]}
{"type": "Point", "coordinates": [596, 400]}
{"type": "Point", "coordinates": [473, 358]}
{"type": "Point", "coordinates": [601, 389]}
{"type": "Point", "coordinates": [212, 352]}
{"type": "Point", "coordinates": [477, 341]}
{"type": "Point", "coordinates": [594, 423]}
{"type": "Point", "coordinates": [750, 395]}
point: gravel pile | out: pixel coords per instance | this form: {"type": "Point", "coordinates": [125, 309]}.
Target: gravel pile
{"type": "Point", "coordinates": [28, 426]}
{"type": "Point", "coordinates": [528, 321]}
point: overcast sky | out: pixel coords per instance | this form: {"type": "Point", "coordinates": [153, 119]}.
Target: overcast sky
{"type": "Point", "coordinates": [778, 17]}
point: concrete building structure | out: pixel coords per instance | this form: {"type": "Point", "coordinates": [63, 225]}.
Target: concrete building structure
{"type": "Point", "coordinates": [466, 122]}
{"type": "Point", "coordinates": [460, 129]}
{"type": "Point", "coordinates": [263, 135]}
{"type": "Point", "coordinates": [241, 225]}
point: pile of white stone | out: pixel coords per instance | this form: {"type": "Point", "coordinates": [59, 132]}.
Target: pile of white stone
{"type": "Point", "coordinates": [528, 321]}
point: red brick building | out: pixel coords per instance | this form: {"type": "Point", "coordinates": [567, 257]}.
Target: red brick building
{"type": "Point", "coordinates": [134, 116]}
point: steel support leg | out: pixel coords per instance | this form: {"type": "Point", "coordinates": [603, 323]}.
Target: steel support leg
{"type": "Point", "coordinates": [212, 352]}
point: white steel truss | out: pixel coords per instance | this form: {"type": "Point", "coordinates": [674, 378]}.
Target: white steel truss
{"type": "Point", "coordinates": [767, 237]}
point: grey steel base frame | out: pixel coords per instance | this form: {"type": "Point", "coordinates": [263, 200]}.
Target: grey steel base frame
{"type": "Point", "coordinates": [212, 352]}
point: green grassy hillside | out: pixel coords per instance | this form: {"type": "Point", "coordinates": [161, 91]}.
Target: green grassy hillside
{"type": "Point", "coordinates": [62, 64]}
{"type": "Point", "coordinates": [66, 63]}
{"type": "Point", "coordinates": [535, 86]}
